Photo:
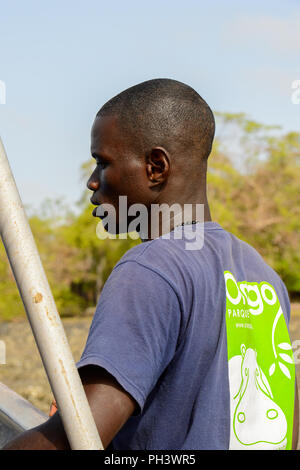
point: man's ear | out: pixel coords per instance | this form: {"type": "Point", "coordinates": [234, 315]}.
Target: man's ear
{"type": "Point", "coordinates": [157, 166]}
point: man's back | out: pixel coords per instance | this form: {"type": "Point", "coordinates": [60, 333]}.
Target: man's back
{"type": "Point", "coordinates": [199, 339]}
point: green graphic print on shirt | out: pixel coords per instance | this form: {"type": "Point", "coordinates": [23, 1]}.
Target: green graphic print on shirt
{"type": "Point", "coordinates": [260, 366]}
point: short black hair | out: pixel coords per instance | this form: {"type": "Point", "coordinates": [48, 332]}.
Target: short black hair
{"type": "Point", "coordinates": [164, 112]}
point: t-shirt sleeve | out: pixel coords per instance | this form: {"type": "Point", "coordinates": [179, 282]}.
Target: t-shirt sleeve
{"type": "Point", "coordinates": [287, 303]}
{"type": "Point", "coordinates": [135, 329]}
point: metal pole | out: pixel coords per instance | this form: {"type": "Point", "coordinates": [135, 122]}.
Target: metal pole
{"type": "Point", "coordinates": [43, 316]}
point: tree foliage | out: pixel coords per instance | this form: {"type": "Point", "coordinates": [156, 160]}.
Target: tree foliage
{"type": "Point", "coordinates": [253, 191]}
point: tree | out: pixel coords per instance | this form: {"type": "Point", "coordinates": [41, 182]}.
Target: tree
{"type": "Point", "coordinates": [253, 190]}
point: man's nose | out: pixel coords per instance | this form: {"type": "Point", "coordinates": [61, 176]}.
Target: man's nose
{"type": "Point", "coordinates": [93, 182]}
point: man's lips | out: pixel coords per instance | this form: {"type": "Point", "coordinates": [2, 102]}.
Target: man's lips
{"type": "Point", "coordinates": [95, 211]}
{"type": "Point", "coordinates": [95, 203]}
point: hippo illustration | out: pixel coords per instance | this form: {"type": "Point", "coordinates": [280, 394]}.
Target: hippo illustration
{"type": "Point", "coordinates": [257, 422]}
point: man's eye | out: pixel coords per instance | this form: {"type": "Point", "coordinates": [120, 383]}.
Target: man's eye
{"type": "Point", "coordinates": [101, 164]}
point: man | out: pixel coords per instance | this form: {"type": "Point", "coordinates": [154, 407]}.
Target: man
{"type": "Point", "coordinates": [188, 348]}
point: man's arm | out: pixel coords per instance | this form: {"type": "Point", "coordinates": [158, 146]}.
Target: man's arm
{"type": "Point", "coordinates": [110, 404]}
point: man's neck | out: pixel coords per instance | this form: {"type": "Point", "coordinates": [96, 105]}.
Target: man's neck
{"type": "Point", "coordinates": [184, 213]}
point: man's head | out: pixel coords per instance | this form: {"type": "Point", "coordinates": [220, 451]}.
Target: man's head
{"type": "Point", "coordinates": [151, 143]}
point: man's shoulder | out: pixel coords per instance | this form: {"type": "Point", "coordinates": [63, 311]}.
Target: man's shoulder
{"type": "Point", "coordinates": [172, 254]}
{"type": "Point", "coordinates": [139, 252]}
{"type": "Point", "coordinates": [149, 255]}
{"type": "Point", "coordinates": [174, 241]}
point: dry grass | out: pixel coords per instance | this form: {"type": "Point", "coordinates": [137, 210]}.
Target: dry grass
{"type": "Point", "coordinates": [23, 371]}
{"type": "Point", "coordinates": [295, 308]}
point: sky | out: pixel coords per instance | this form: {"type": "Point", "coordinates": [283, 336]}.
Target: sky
{"type": "Point", "coordinates": [62, 60]}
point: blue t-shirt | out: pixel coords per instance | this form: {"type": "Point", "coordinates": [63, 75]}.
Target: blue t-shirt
{"type": "Point", "coordinates": [161, 329]}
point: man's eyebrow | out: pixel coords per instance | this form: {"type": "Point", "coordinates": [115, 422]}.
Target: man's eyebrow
{"type": "Point", "coordinates": [96, 155]}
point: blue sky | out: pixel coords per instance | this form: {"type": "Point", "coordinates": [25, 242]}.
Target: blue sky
{"type": "Point", "coordinates": [61, 60]}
